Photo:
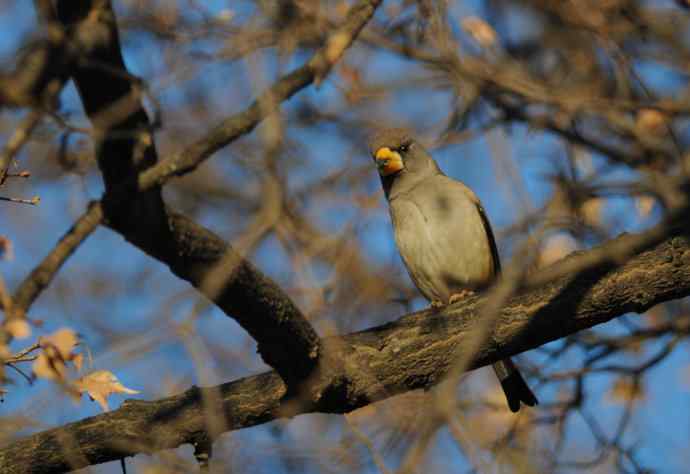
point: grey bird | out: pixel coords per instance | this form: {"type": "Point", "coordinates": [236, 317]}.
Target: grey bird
{"type": "Point", "coordinates": [442, 234]}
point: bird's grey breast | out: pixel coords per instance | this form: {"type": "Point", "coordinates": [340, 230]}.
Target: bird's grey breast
{"type": "Point", "coordinates": [441, 237]}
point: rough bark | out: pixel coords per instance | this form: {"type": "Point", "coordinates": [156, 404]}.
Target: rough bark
{"type": "Point", "coordinates": [414, 352]}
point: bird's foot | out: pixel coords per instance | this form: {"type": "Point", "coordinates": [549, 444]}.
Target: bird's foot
{"type": "Point", "coordinates": [437, 304]}
{"type": "Point", "coordinates": [455, 297]}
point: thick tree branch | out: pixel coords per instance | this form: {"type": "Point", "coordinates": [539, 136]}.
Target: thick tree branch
{"type": "Point", "coordinates": [286, 340]}
{"type": "Point", "coordinates": [412, 353]}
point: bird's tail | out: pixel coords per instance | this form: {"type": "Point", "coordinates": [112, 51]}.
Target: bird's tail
{"type": "Point", "coordinates": [514, 386]}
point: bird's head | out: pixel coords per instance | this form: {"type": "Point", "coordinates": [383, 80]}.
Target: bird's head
{"type": "Point", "coordinates": [396, 154]}
{"type": "Point", "coordinates": [389, 149]}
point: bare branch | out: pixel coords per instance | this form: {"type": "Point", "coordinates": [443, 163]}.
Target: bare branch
{"type": "Point", "coordinates": [358, 369]}
{"type": "Point", "coordinates": [244, 122]}
{"type": "Point", "coordinates": [286, 340]}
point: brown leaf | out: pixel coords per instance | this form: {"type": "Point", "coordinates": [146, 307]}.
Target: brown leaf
{"type": "Point", "coordinates": [99, 385]}
{"type": "Point", "coordinates": [63, 340]}
{"type": "Point", "coordinates": [651, 122]}
{"type": "Point", "coordinates": [480, 31]}
{"type": "Point", "coordinates": [46, 366]}
{"type": "Point", "coordinates": [58, 349]}
{"type": "Point", "coordinates": [18, 327]}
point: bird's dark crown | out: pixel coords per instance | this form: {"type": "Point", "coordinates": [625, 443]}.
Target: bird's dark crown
{"type": "Point", "coordinates": [393, 138]}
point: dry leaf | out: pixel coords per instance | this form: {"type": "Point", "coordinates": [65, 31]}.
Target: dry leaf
{"type": "Point", "coordinates": [63, 340]}
{"type": "Point", "coordinates": [480, 31]}
{"type": "Point", "coordinates": [18, 327]}
{"type": "Point", "coordinates": [651, 122]}
{"type": "Point", "coordinates": [57, 351]}
{"type": "Point", "coordinates": [99, 385]}
{"type": "Point", "coordinates": [47, 367]}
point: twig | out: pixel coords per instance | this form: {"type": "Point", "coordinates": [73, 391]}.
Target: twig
{"type": "Point", "coordinates": [18, 139]}
{"type": "Point", "coordinates": [364, 439]}
{"type": "Point", "coordinates": [42, 275]}
{"type": "Point", "coordinates": [11, 365]}
{"type": "Point", "coordinates": [21, 174]}
{"type": "Point", "coordinates": [33, 201]}
{"type": "Point", "coordinates": [229, 129]}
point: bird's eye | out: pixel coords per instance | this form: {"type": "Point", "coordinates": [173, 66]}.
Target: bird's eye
{"type": "Point", "coordinates": [404, 147]}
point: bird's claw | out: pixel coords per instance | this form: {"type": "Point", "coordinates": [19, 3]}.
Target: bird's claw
{"type": "Point", "coordinates": [454, 298]}
{"type": "Point", "coordinates": [436, 304]}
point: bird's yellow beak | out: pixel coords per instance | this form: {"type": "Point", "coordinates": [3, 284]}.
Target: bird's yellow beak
{"type": "Point", "coordinates": [388, 161]}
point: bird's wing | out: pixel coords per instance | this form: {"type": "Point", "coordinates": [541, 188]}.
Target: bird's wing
{"type": "Point", "coordinates": [492, 240]}
{"type": "Point", "coordinates": [459, 192]}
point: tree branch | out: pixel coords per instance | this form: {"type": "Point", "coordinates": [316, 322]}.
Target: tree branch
{"type": "Point", "coordinates": [413, 352]}
{"type": "Point", "coordinates": [233, 127]}
{"type": "Point", "coordinates": [286, 340]}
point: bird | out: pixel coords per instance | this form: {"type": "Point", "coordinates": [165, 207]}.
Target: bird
{"type": "Point", "coordinates": [442, 233]}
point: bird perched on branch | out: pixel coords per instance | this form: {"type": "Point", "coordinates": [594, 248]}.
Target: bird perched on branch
{"type": "Point", "coordinates": [442, 233]}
